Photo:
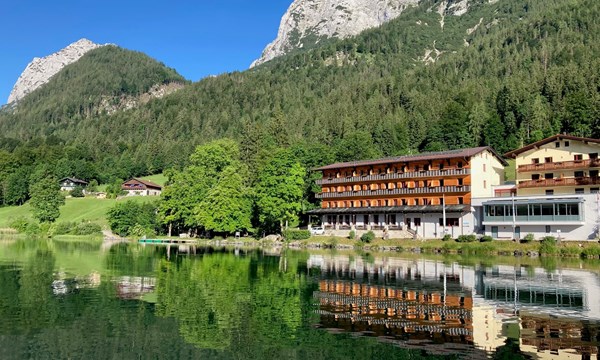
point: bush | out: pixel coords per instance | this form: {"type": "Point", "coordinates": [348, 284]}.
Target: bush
{"type": "Point", "coordinates": [87, 229]}
{"type": "Point", "coordinates": [62, 228]}
{"type": "Point", "coordinates": [352, 235]}
{"type": "Point", "coordinates": [528, 238]}
{"type": "Point", "coordinates": [77, 192]}
{"type": "Point", "coordinates": [486, 238]}
{"type": "Point", "coordinates": [548, 246]}
{"type": "Point", "coordinates": [292, 234]}
{"type": "Point", "coordinates": [367, 237]}
{"type": "Point", "coordinates": [20, 224]}
{"type": "Point", "coordinates": [447, 237]}
{"type": "Point", "coordinates": [466, 238]}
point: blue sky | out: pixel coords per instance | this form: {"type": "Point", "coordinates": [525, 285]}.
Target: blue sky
{"type": "Point", "coordinates": [197, 38]}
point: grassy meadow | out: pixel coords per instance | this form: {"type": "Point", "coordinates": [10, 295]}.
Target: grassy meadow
{"type": "Point", "coordinates": [74, 210]}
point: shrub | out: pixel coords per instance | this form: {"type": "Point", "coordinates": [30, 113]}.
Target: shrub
{"type": "Point", "coordinates": [591, 251]}
{"type": "Point", "coordinates": [20, 224]}
{"type": "Point", "coordinates": [62, 228]}
{"type": "Point", "coordinates": [77, 192]}
{"type": "Point", "coordinates": [32, 229]}
{"type": "Point", "coordinates": [528, 238]}
{"type": "Point", "coordinates": [352, 235]}
{"type": "Point", "coordinates": [87, 229]}
{"type": "Point", "coordinates": [486, 238]}
{"type": "Point", "coordinates": [367, 237]}
{"type": "Point", "coordinates": [466, 238]}
{"type": "Point", "coordinates": [447, 237]}
{"type": "Point", "coordinates": [292, 234]}
{"type": "Point", "coordinates": [548, 246]}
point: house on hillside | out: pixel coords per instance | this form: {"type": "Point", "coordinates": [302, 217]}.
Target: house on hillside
{"type": "Point", "coordinates": [139, 187]}
{"type": "Point", "coordinates": [69, 183]}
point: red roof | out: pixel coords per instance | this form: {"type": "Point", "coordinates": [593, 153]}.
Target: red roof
{"type": "Point", "coordinates": [437, 155]}
{"type": "Point", "coordinates": [514, 153]}
{"type": "Point", "coordinates": [148, 184]}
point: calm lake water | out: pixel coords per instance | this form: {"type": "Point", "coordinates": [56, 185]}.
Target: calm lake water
{"type": "Point", "coordinates": [82, 300]}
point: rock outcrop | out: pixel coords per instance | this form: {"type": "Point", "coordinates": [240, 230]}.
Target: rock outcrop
{"type": "Point", "coordinates": [309, 21]}
{"type": "Point", "coordinates": [40, 70]}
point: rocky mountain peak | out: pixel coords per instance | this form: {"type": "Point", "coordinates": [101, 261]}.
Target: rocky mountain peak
{"type": "Point", "coordinates": [307, 22]}
{"type": "Point", "coordinates": [40, 70]}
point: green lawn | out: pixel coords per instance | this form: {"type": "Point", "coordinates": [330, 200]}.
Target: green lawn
{"type": "Point", "coordinates": [75, 209]}
{"type": "Point", "coordinates": [159, 179]}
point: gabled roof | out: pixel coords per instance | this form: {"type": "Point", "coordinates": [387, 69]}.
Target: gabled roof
{"type": "Point", "coordinates": [145, 182]}
{"type": "Point", "coordinates": [514, 153]}
{"type": "Point", "coordinates": [437, 155]}
{"type": "Point", "coordinates": [74, 180]}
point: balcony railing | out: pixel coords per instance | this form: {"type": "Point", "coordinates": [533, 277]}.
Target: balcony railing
{"type": "Point", "coordinates": [402, 191]}
{"type": "Point", "coordinates": [533, 218]}
{"type": "Point", "coordinates": [560, 165]}
{"type": "Point", "coordinates": [395, 176]}
{"type": "Point", "coordinates": [580, 181]}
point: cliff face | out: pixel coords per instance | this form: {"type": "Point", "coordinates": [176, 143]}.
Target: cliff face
{"type": "Point", "coordinates": [309, 21]}
{"type": "Point", "coordinates": [40, 70]}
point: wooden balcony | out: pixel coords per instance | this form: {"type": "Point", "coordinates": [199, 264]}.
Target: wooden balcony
{"type": "Point", "coordinates": [395, 176]}
{"type": "Point", "coordinates": [581, 181]}
{"type": "Point", "coordinates": [561, 165]}
{"type": "Point", "coordinates": [402, 191]}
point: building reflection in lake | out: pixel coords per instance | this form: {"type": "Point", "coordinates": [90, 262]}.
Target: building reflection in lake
{"type": "Point", "coordinates": [449, 308]}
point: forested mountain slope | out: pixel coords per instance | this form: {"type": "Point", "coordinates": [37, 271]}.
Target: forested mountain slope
{"type": "Point", "coordinates": [503, 74]}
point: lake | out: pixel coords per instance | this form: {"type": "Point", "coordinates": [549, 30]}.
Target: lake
{"type": "Point", "coordinates": [82, 300]}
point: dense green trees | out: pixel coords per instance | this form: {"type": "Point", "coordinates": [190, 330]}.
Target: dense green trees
{"type": "Point", "coordinates": [279, 190]}
{"type": "Point", "coordinates": [216, 194]}
{"type": "Point", "coordinates": [133, 218]}
{"type": "Point", "coordinates": [46, 199]}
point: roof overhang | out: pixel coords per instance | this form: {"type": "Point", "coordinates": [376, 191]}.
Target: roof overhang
{"type": "Point", "coordinates": [391, 210]}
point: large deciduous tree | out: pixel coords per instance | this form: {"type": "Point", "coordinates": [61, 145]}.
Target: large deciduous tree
{"type": "Point", "coordinates": [46, 199]}
{"type": "Point", "coordinates": [279, 190]}
{"type": "Point", "coordinates": [227, 206]}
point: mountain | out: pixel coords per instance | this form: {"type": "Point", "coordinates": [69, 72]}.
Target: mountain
{"type": "Point", "coordinates": [40, 70]}
{"type": "Point", "coordinates": [104, 80]}
{"type": "Point", "coordinates": [308, 22]}
{"type": "Point", "coordinates": [501, 74]}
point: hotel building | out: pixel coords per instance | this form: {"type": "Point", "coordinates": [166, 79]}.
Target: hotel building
{"type": "Point", "coordinates": [409, 193]}
{"type": "Point", "coordinates": [557, 187]}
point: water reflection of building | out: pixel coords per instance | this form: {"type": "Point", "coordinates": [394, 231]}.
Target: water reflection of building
{"type": "Point", "coordinates": [424, 316]}
{"type": "Point", "coordinates": [417, 303]}
{"type": "Point", "coordinates": [134, 287]}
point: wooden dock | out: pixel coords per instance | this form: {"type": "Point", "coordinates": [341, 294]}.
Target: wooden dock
{"type": "Point", "coordinates": [167, 241]}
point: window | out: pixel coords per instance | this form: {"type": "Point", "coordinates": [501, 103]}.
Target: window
{"type": "Point", "coordinates": [549, 192]}
{"type": "Point", "coordinates": [441, 166]}
{"type": "Point", "coordinates": [548, 159]}
{"type": "Point", "coordinates": [535, 176]}
{"type": "Point", "coordinates": [593, 173]}
{"type": "Point", "coordinates": [417, 168]}
{"type": "Point", "coordinates": [594, 190]}
{"type": "Point", "coordinates": [484, 168]}
{"type": "Point", "coordinates": [426, 168]}
{"type": "Point", "coordinates": [460, 200]}
{"type": "Point", "coordinates": [548, 229]}
{"type": "Point", "coordinates": [535, 161]}
{"type": "Point", "coordinates": [460, 164]}
{"type": "Point", "coordinates": [567, 144]}
{"type": "Point", "coordinates": [549, 176]}
{"type": "Point", "coordinates": [593, 156]}
{"type": "Point", "coordinates": [460, 182]}
{"type": "Point", "coordinates": [442, 182]}
{"type": "Point", "coordinates": [485, 184]}
{"type": "Point", "coordinates": [579, 191]}
{"type": "Point", "coordinates": [578, 157]}
{"type": "Point", "coordinates": [557, 144]}
{"type": "Point", "coordinates": [579, 174]}
{"type": "Point", "coordinates": [417, 221]}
